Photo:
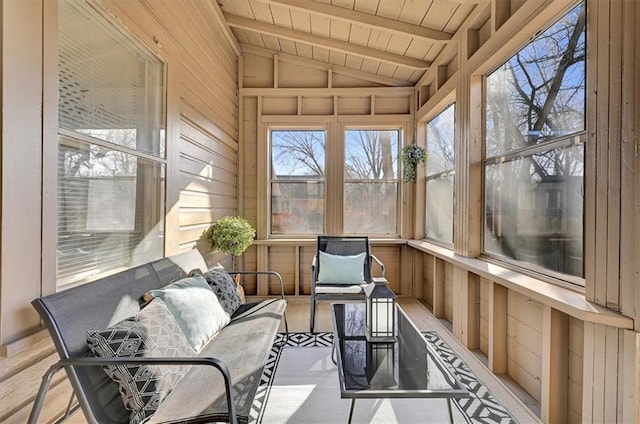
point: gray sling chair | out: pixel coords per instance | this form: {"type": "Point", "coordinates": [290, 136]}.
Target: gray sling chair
{"type": "Point", "coordinates": [340, 290]}
{"type": "Point", "coordinates": [69, 314]}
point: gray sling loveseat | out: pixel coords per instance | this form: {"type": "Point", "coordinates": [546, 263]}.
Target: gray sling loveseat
{"type": "Point", "coordinates": [222, 380]}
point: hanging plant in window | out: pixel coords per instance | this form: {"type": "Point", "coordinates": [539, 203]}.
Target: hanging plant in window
{"type": "Point", "coordinates": [411, 155]}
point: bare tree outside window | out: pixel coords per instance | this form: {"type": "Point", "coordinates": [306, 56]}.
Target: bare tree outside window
{"type": "Point", "coordinates": [297, 181]}
{"type": "Point", "coordinates": [371, 181]}
{"type": "Point", "coordinates": [534, 166]}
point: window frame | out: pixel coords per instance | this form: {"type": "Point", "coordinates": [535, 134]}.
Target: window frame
{"type": "Point", "coordinates": [270, 181]}
{"type": "Point", "coordinates": [447, 172]}
{"type": "Point", "coordinates": [334, 168]}
{"type": "Point", "coordinates": [167, 52]}
{"type": "Point", "coordinates": [401, 140]}
{"type": "Point", "coordinates": [575, 138]}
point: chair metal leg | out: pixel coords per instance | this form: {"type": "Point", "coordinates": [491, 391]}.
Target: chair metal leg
{"type": "Point", "coordinates": [449, 410]}
{"type": "Point", "coordinates": [334, 351]}
{"type": "Point", "coordinates": [284, 341]}
{"type": "Point", "coordinates": [286, 327]}
{"type": "Point", "coordinates": [42, 393]}
{"type": "Point", "coordinates": [71, 409]}
{"type": "Point", "coordinates": [353, 403]}
{"type": "Point", "coordinates": [313, 315]}
{"type": "Point", "coordinates": [70, 405]}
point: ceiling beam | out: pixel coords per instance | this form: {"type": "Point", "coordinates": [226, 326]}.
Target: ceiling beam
{"type": "Point", "coordinates": [228, 34]}
{"type": "Point", "coordinates": [364, 19]}
{"type": "Point", "coordinates": [323, 66]}
{"type": "Point", "coordinates": [324, 42]}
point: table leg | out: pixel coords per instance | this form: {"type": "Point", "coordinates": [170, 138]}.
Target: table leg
{"type": "Point", "coordinates": [334, 350]}
{"type": "Point", "coordinates": [449, 409]}
{"type": "Point", "coordinates": [353, 402]}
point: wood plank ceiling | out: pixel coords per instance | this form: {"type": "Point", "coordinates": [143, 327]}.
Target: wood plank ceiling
{"type": "Point", "coordinates": [394, 39]}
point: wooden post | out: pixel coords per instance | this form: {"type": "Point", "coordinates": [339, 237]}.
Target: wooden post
{"type": "Point", "coordinates": [500, 12]}
{"type": "Point", "coordinates": [497, 328]}
{"type": "Point", "coordinates": [262, 281]}
{"type": "Point", "coordinates": [406, 263]}
{"type": "Point", "coordinates": [472, 42]}
{"type": "Point", "coordinates": [418, 273]}
{"type": "Point", "coordinates": [438, 287]}
{"type": "Point", "coordinates": [441, 76]}
{"type": "Point", "coordinates": [631, 377]}
{"type": "Point", "coordinates": [276, 76]}
{"type": "Point", "coordinates": [555, 365]}
{"type": "Point", "coordinates": [262, 159]}
{"type": "Point", "coordinates": [296, 271]}
{"type": "Point", "coordinates": [466, 307]}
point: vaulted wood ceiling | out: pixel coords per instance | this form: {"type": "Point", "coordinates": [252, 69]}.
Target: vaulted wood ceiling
{"type": "Point", "coordinates": [394, 39]}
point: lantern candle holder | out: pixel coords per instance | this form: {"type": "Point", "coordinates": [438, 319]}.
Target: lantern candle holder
{"type": "Point", "coordinates": [381, 313]}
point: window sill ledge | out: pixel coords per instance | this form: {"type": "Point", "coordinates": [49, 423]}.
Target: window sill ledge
{"type": "Point", "coordinates": [312, 241]}
{"type": "Point", "coordinates": [559, 298]}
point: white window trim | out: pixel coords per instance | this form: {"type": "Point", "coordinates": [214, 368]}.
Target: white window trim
{"type": "Point", "coordinates": [153, 38]}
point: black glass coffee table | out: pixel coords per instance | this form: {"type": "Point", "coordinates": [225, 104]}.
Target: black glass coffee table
{"type": "Point", "coordinates": [408, 368]}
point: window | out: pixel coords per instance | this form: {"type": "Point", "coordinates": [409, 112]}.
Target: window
{"type": "Point", "coordinates": [534, 154]}
{"type": "Point", "coordinates": [297, 181]}
{"type": "Point", "coordinates": [440, 176]}
{"type": "Point", "coordinates": [371, 181]}
{"type": "Point", "coordinates": [111, 147]}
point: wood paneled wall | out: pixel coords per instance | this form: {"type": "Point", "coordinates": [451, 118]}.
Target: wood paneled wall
{"type": "Point", "coordinates": [576, 367]}
{"type": "Point", "coordinates": [524, 342]}
{"type": "Point", "coordinates": [448, 292]}
{"type": "Point", "coordinates": [612, 218]}
{"type": "Point", "coordinates": [578, 360]}
{"type": "Point", "coordinates": [536, 346]}
{"type": "Point", "coordinates": [204, 173]}
{"type": "Point", "coordinates": [292, 259]}
{"type": "Point", "coordinates": [202, 166]}
{"type": "Point", "coordinates": [485, 286]}
{"type": "Point", "coordinates": [279, 90]}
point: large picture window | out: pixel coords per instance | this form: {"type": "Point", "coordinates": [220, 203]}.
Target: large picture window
{"type": "Point", "coordinates": [297, 181]}
{"type": "Point", "coordinates": [111, 149]}
{"type": "Point", "coordinates": [371, 181]}
{"type": "Point", "coordinates": [298, 178]}
{"type": "Point", "coordinates": [440, 177]}
{"type": "Point", "coordinates": [534, 157]}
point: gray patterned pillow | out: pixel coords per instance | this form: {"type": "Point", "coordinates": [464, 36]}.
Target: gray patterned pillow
{"type": "Point", "coordinates": [224, 287]}
{"type": "Point", "coordinates": [152, 332]}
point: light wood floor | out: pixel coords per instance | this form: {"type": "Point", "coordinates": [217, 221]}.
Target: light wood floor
{"type": "Point", "coordinates": [298, 318]}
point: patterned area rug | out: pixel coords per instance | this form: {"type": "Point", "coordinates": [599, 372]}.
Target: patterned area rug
{"type": "Point", "coordinates": [480, 407]}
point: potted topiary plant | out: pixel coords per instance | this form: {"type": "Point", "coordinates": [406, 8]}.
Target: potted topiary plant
{"type": "Point", "coordinates": [231, 235]}
{"type": "Point", "coordinates": [411, 155]}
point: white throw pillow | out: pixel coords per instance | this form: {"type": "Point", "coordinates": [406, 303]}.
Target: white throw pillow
{"type": "Point", "coordinates": [195, 307]}
{"type": "Point", "coordinates": [341, 269]}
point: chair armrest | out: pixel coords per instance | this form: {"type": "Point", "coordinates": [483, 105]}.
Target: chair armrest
{"type": "Point", "coordinates": [89, 361]}
{"type": "Point", "coordinates": [263, 273]}
{"type": "Point", "coordinates": [381, 265]}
